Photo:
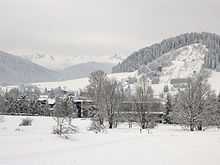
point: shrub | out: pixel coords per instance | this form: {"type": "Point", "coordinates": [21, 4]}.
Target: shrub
{"type": "Point", "coordinates": [65, 130]}
{"type": "Point", "coordinates": [26, 122]}
{"type": "Point", "coordinates": [96, 127]}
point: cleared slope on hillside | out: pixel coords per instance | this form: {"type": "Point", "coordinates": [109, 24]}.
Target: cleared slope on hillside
{"type": "Point", "coordinates": [186, 62]}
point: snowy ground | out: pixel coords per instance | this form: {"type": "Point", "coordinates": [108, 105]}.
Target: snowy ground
{"type": "Point", "coordinates": [76, 84]}
{"type": "Point", "coordinates": [165, 145]}
{"type": "Point", "coordinates": [214, 80]}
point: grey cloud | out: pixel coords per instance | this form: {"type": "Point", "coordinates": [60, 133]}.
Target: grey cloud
{"type": "Point", "coordinates": [99, 27]}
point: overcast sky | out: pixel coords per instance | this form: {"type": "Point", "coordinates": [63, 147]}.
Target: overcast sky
{"type": "Point", "coordinates": [97, 29]}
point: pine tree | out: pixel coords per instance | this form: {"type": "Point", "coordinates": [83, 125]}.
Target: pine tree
{"type": "Point", "coordinates": [169, 109]}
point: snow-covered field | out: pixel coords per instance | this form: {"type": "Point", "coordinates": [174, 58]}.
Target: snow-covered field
{"type": "Point", "coordinates": [165, 145]}
{"type": "Point", "coordinates": [76, 84]}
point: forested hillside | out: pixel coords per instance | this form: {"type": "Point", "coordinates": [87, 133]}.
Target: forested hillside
{"type": "Point", "coordinates": [149, 54]}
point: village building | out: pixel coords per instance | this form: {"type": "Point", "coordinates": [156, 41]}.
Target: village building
{"type": "Point", "coordinates": [179, 82]}
{"type": "Point", "coordinates": [154, 108]}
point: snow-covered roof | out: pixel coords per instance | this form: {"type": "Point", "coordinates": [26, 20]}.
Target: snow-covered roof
{"type": "Point", "coordinates": [51, 101]}
{"type": "Point", "coordinates": [82, 100]}
{"type": "Point", "coordinates": [43, 98]}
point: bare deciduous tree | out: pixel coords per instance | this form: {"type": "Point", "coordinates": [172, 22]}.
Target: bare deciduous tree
{"type": "Point", "coordinates": [95, 91]}
{"type": "Point", "coordinates": [113, 92]}
{"type": "Point", "coordinates": [63, 114]}
{"type": "Point", "coordinates": [144, 93]}
{"type": "Point", "coordinates": [196, 104]}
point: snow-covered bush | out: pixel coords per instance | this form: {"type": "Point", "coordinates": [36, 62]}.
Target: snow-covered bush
{"type": "Point", "coordinates": [26, 122]}
{"type": "Point", "coordinates": [152, 124]}
{"type": "Point", "coordinates": [96, 126]}
{"type": "Point", "coordinates": [18, 129]}
{"type": "Point", "coordinates": [65, 129]}
{"type": "Point", "coordinates": [63, 115]}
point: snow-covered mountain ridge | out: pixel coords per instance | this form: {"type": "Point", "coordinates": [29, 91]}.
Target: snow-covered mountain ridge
{"type": "Point", "coordinates": [148, 54]}
{"type": "Point", "coordinates": [63, 63]}
{"type": "Point", "coordinates": [178, 64]}
{"type": "Point", "coordinates": [17, 70]}
{"type": "Point", "coordinates": [184, 62]}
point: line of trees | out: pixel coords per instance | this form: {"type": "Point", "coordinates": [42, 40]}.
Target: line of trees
{"type": "Point", "coordinates": [108, 96]}
{"type": "Point", "coordinates": [20, 101]}
{"type": "Point", "coordinates": [196, 106]}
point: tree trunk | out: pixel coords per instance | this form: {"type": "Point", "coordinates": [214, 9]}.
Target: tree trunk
{"type": "Point", "coordinates": [101, 120]}
{"type": "Point", "coordinates": [111, 122]}
{"type": "Point", "coordinates": [199, 127]}
{"type": "Point", "coordinates": [191, 127]}
{"type": "Point", "coordinates": [110, 125]}
{"type": "Point", "coordinates": [70, 121]}
{"type": "Point", "coordinates": [61, 129]}
{"type": "Point", "coordinates": [143, 125]}
{"type": "Point", "coordinates": [116, 124]}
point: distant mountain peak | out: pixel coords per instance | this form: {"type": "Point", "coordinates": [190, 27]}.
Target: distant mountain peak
{"type": "Point", "coordinates": [117, 58]}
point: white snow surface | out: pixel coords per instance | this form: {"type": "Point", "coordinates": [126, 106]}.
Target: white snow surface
{"type": "Point", "coordinates": [77, 84]}
{"type": "Point", "coordinates": [187, 61]}
{"type": "Point", "coordinates": [214, 81]}
{"type": "Point", "coordinates": [165, 145]}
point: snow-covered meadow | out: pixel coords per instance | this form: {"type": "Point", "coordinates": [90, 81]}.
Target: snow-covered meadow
{"type": "Point", "coordinates": [165, 145]}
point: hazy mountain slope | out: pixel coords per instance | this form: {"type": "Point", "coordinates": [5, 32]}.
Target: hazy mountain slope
{"type": "Point", "coordinates": [14, 69]}
{"type": "Point", "coordinates": [44, 60]}
{"type": "Point", "coordinates": [149, 54]}
{"type": "Point", "coordinates": [59, 63]}
{"type": "Point", "coordinates": [84, 69]}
